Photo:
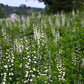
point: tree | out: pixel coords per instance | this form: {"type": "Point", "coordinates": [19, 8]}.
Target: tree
{"type": "Point", "coordinates": [59, 5]}
{"type": "Point", "coordinates": [2, 12]}
{"type": "Point", "coordinates": [23, 5]}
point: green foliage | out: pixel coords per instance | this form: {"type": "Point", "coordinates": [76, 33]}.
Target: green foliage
{"type": "Point", "coordinates": [42, 49]}
{"type": "Point", "coordinates": [2, 11]}
{"type": "Point", "coordinates": [54, 6]}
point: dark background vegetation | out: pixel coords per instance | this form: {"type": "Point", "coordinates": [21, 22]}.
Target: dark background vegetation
{"type": "Point", "coordinates": [52, 6]}
{"type": "Point", "coordinates": [5, 10]}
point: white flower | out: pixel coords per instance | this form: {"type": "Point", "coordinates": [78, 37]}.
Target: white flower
{"type": "Point", "coordinates": [57, 22]}
{"type": "Point", "coordinates": [35, 57]}
{"type": "Point", "coordinates": [51, 80]}
{"type": "Point", "coordinates": [1, 74]}
{"type": "Point", "coordinates": [5, 66]}
{"type": "Point", "coordinates": [45, 82]}
{"type": "Point", "coordinates": [37, 70]}
{"type": "Point", "coordinates": [4, 80]}
{"type": "Point", "coordinates": [21, 65]}
{"type": "Point", "coordinates": [30, 79]}
{"type": "Point", "coordinates": [33, 75]}
{"type": "Point", "coordinates": [34, 51]}
{"type": "Point", "coordinates": [10, 78]}
{"type": "Point", "coordinates": [37, 76]}
{"type": "Point", "coordinates": [11, 60]}
{"type": "Point", "coordinates": [11, 74]}
{"type": "Point", "coordinates": [28, 56]}
{"type": "Point", "coordinates": [45, 74]}
{"type": "Point", "coordinates": [26, 74]}
{"type": "Point", "coordinates": [12, 57]}
{"type": "Point", "coordinates": [39, 16]}
{"type": "Point", "coordinates": [4, 73]}
{"type": "Point", "coordinates": [3, 83]}
{"type": "Point", "coordinates": [73, 13]}
{"type": "Point", "coordinates": [26, 66]}
{"type": "Point", "coordinates": [34, 69]}
{"type": "Point", "coordinates": [29, 60]}
{"type": "Point", "coordinates": [35, 62]}
{"type": "Point", "coordinates": [26, 48]}
{"type": "Point", "coordinates": [63, 73]}
{"type": "Point", "coordinates": [11, 69]}
{"type": "Point", "coordinates": [9, 65]}
{"type": "Point", "coordinates": [46, 70]}
{"type": "Point", "coordinates": [12, 64]}
{"type": "Point", "coordinates": [31, 71]}
{"type": "Point", "coordinates": [25, 81]}
{"type": "Point", "coordinates": [28, 63]}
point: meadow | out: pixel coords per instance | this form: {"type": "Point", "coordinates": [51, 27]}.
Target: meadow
{"type": "Point", "coordinates": [42, 49]}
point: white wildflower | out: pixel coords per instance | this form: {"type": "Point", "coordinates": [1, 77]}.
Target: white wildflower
{"type": "Point", "coordinates": [11, 74]}
{"type": "Point", "coordinates": [31, 80]}
{"type": "Point", "coordinates": [73, 13]}
{"type": "Point", "coordinates": [35, 62]}
{"type": "Point", "coordinates": [4, 79]}
{"type": "Point", "coordinates": [37, 76]}
{"type": "Point", "coordinates": [10, 78]}
{"type": "Point", "coordinates": [5, 66]}
{"type": "Point", "coordinates": [11, 60]}
{"type": "Point", "coordinates": [29, 60]}
{"type": "Point", "coordinates": [21, 65]}
{"type": "Point", "coordinates": [3, 82]}
{"type": "Point", "coordinates": [26, 74]}
{"type": "Point", "coordinates": [25, 81]}
{"type": "Point", "coordinates": [33, 75]}
{"type": "Point", "coordinates": [34, 69]}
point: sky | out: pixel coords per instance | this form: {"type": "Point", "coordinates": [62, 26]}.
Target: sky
{"type": "Point", "coordinates": [31, 3]}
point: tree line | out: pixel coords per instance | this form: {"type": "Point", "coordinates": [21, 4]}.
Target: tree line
{"type": "Point", "coordinates": [6, 10]}
{"type": "Point", "coordinates": [54, 6]}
